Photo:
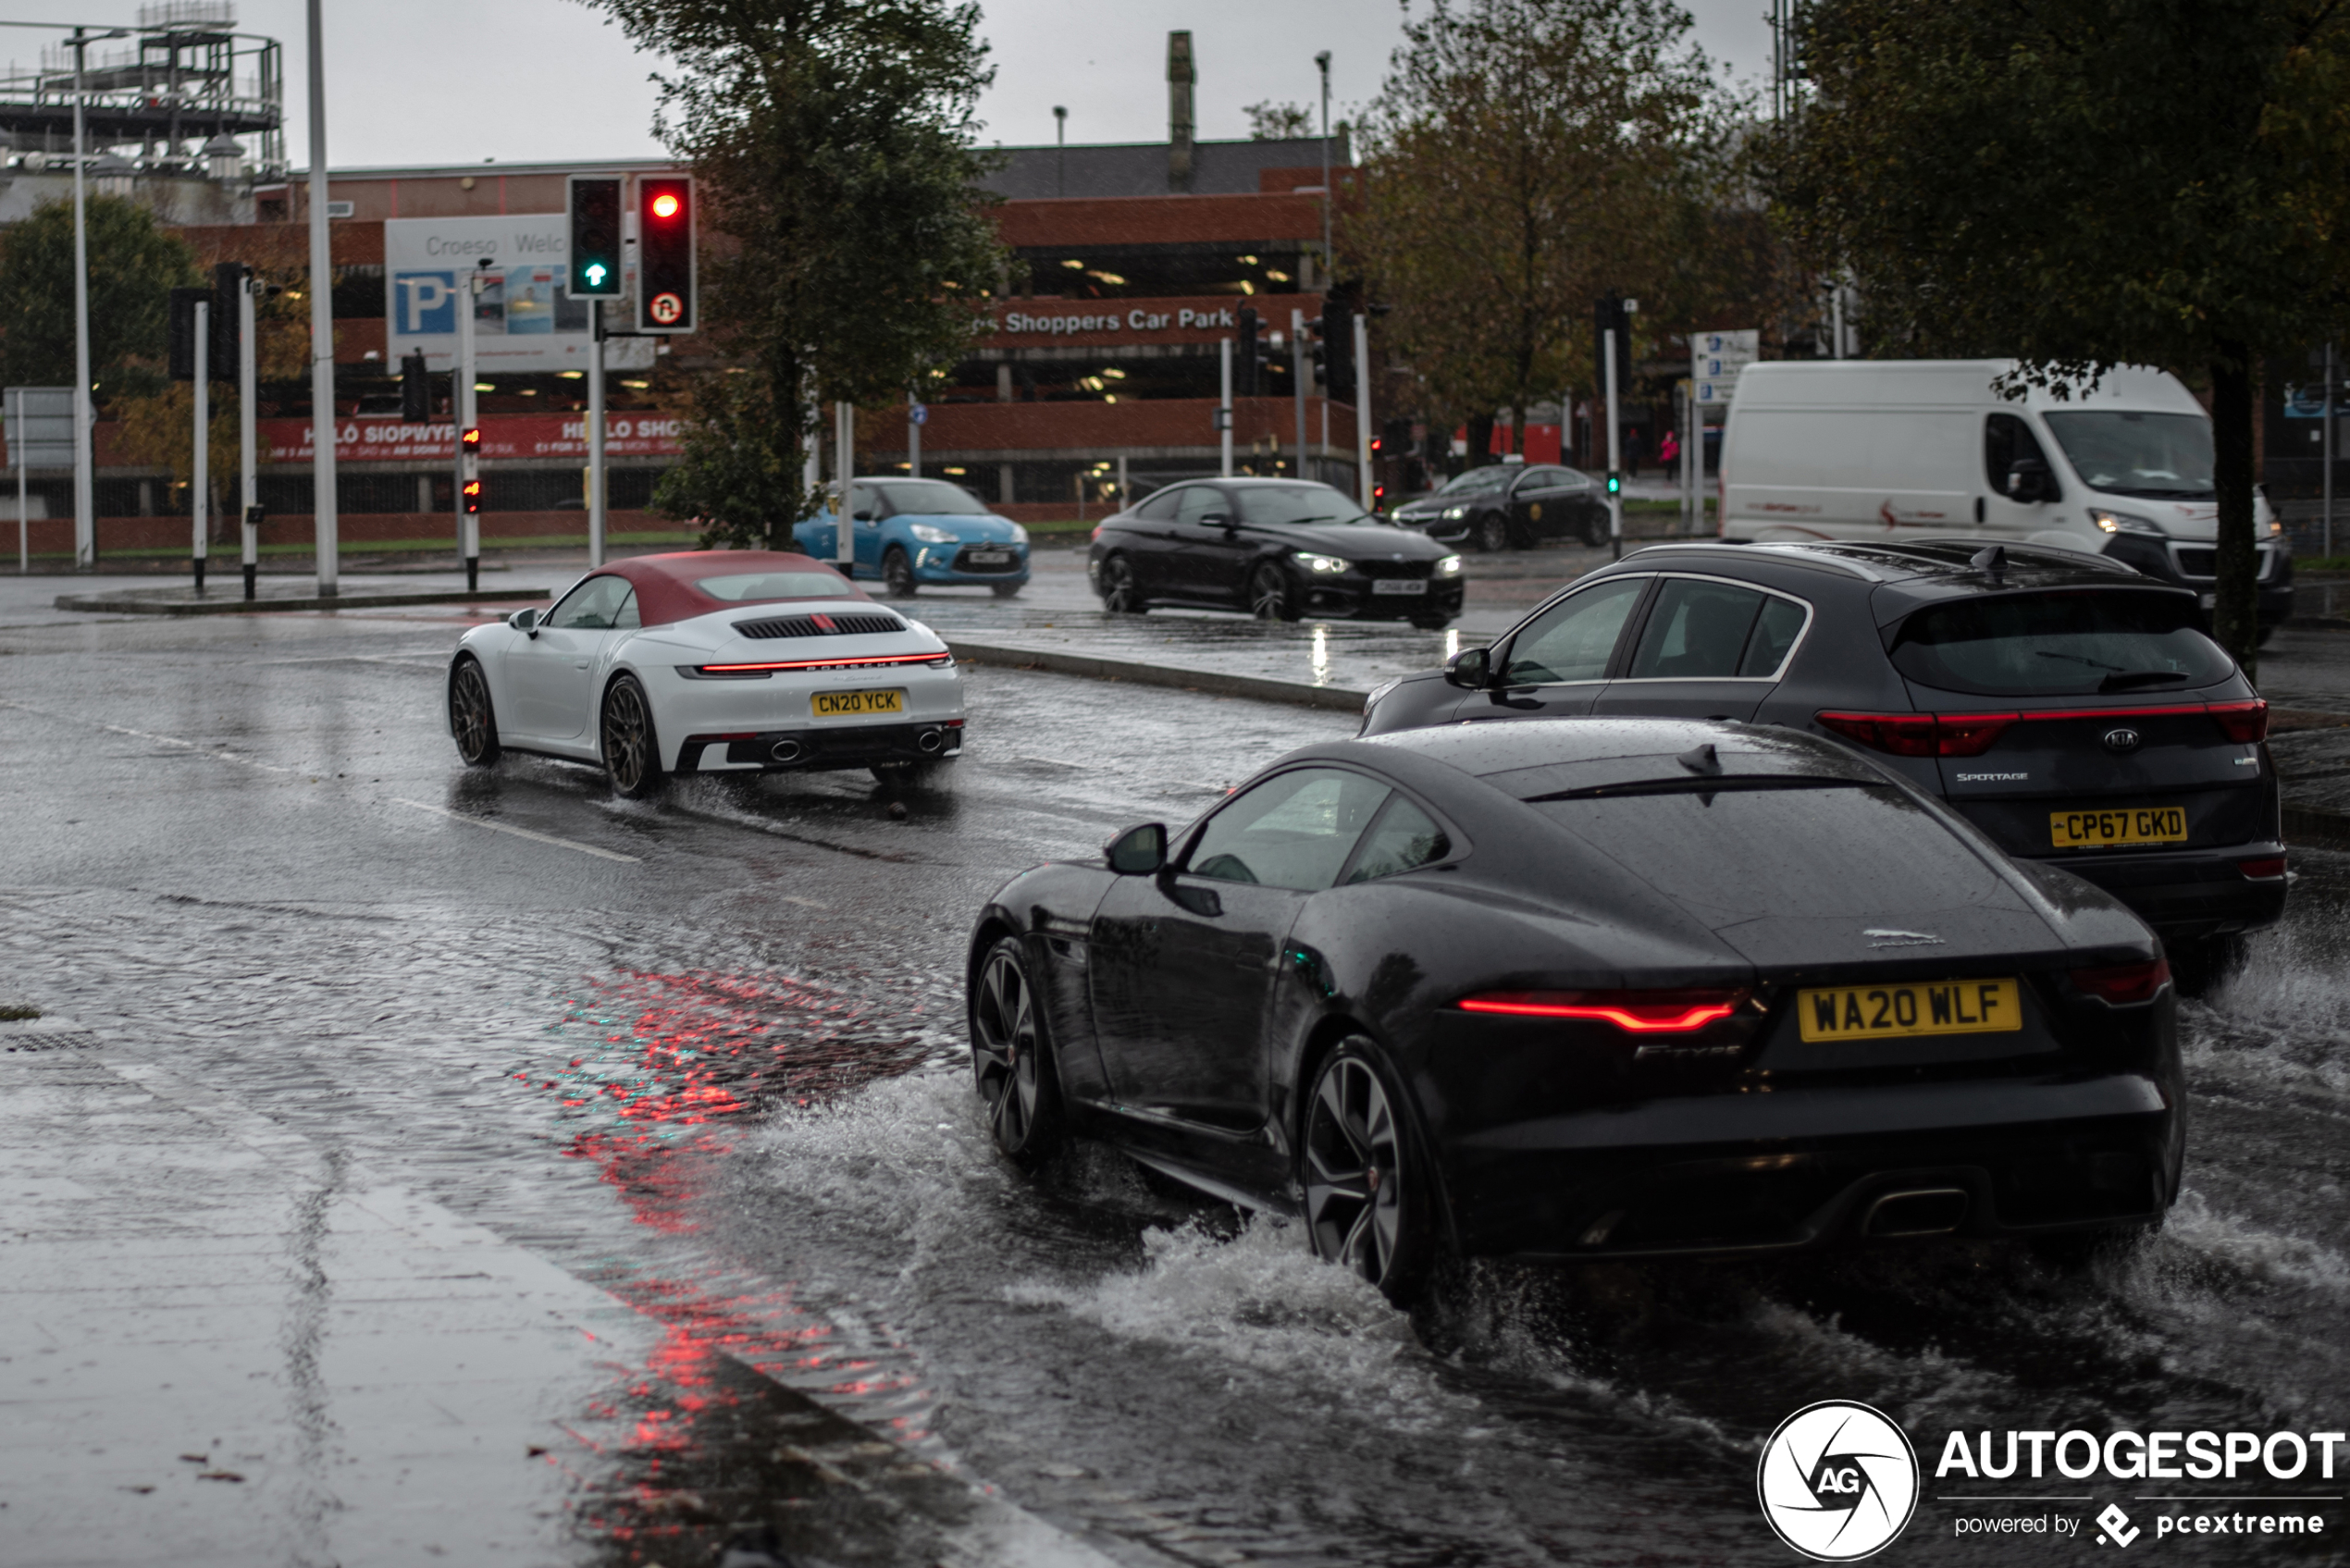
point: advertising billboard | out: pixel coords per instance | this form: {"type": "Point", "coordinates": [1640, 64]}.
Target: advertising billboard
{"type": "Point", "coordinates": [523, 320]}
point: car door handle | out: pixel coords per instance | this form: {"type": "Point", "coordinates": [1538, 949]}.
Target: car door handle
{"type": "Point", "coordinates": [579, 663]}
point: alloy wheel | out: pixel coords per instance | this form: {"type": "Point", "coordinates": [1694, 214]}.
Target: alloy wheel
{"type": "Point", "coordinates": [1354, 1170]}
{"type": "Point", "coordinates": [898, 574]}
{"type": "Point", "coordinates": [1006, 1051]}
{"type": "Point", "coordinates": [1268, 595]}
{"type": "Point", "coordinates": [1120, 596]}
{"type": "Point", "coordinates": [628, 736]}
{"type": "Point", "coordinates": [1493, 533]}
{"type": "Point", "coordinates": [470, 716]}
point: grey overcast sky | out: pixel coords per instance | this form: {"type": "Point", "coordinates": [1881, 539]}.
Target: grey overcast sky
{"type": "Point", "coordinates": [448, 82]}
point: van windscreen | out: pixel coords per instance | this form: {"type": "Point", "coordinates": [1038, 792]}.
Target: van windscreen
{"type": "Point", "coordinates": [2061, 645]}
{"type": "Point", "coordinates": [2126, 453]}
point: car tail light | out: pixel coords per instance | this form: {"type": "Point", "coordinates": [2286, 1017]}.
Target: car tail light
{"type": "Point", "coordinates": [2124, 983]}
{"type": "Point", "coordinates": [1096, 533]}
{"type": "Point", "coordinates": [1922, 735]}
{"type": "Point", "coordinates": [1640, 1012]}
{"type": "Point", "coordinates": [2263, 869]}
{"type": "Point", "coordinates": [858, 662]}
{"type": "Point", "coordinates": [2243, 722]}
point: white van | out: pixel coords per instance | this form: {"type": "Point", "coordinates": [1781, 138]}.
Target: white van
{"type": "Point", "coordinates": [1913, 449]}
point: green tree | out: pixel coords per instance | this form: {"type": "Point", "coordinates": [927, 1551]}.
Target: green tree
{"type": "Point", "coordinates": [1523, 157]}
{"type": "Point", "coordinates": [133, 268]}
{"type": "Point", "coordinates": [846, 247]}
{"type": "Point", "coordinates": [2083, 183]}
{"type": "Point", "coordinates": [1270, 122]}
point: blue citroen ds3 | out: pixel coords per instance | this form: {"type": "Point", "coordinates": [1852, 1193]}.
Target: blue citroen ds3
{"type": "Point", "coordinates": [916, 532]}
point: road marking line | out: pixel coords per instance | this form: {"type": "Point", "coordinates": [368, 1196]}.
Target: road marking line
{"type": "Point", "coordinates": [519, 832]}
{"type": "Point", "coordinates": [197, 747]}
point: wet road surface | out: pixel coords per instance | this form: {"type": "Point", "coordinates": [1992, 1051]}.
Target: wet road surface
{"type": "Point", "coordinates": [704, 1056]}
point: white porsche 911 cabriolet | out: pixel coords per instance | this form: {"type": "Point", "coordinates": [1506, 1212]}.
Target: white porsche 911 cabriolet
{"type": "Point", "coordinates": [709, 661]}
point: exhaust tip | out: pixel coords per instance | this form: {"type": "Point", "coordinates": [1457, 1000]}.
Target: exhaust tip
{"type": "Point", "coordinates": [930, 741]}
{"type": "Point", "coordinates": [1917, 1211]}
{"type": "Point", "coordinates": [785, 751]}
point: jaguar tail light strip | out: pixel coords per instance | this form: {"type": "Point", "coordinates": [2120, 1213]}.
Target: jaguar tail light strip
{"type": "Point", "coordinates": [2123, 984]}
{"type": "Point", "coordinates": [1638, 1012]}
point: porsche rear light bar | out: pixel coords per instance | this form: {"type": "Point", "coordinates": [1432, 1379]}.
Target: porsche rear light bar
{"type": "Point", "coordinates": [1639, 1012]}
{"type": "Point", "coordinates": [764, 665]}
{"type": "Point", "coordinates": [1972, 734]}
{"type": "Point", "coordinates": [2124, 983]}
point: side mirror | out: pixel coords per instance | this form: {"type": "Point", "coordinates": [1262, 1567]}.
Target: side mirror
{"type": "Point", "coordinates": [862, 517]}
{"type": "Point", "coordinates": [1137, 852]}
{"type": "Point", "coordinates": [1471, 668]}
{"type": "Point", "coordinates": [524, 621]}
{"type": "Point", "coordinates": [2029, 480]}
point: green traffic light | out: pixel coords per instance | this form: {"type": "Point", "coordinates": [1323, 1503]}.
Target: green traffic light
{"type": "Point", "coordinates": [595, 274]}
{"type": "Point", "coordinates": [1614, 484]}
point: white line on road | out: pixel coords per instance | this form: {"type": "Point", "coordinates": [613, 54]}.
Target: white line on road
{"type": "Point", "coordinates": [519, 832]}
{"type": "Point", "coordinates": [198, 746]}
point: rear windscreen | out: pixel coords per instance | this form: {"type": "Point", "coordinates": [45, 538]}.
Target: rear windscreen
{"type": "Point", "coordinates": [747, 586]}
{"type": "Point", "coordinates": [1850, 850]}
{"type": "Point", "coordinates": [2061, 645]}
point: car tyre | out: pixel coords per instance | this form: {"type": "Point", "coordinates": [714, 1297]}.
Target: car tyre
{"type": "Point", "coordinates": [1120, 594]}
{"type": "Point", "coordinates": [898, 574]}
{"type": "Point", "coordinates": [1271, 596]}
{"type": "Point", "coordinates": [1492, 533]}
{"type": "Point", "coordinates": [1369, 1201]}
{"type": "Point", "coordinates": [631, 749]}
{"type": "Point", "coordinates": [1011, 1058]}
{"type": "Point", "coordinates": [473, 718]}
{"type": "Point", "coordinates": [1595, 528]}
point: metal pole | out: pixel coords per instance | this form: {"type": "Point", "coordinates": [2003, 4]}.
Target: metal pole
{"type": "Point", "coordinates": [2327, 447]}
{"type": "Point", "coordinates": [1690, 440]}
{"type": "Point", "coordinates": [1125, 496]}
{"type": "Point", "coordinates": [1297, 375]}
{"type": "Point", "coordinates": [200, 477]}
{"type": "Point", "coordinates": [322, 327]}
{"type": "Point", "coordinates": [913, 440]}
{"type": "Point", "coordinates": [1614, 452]}
{"type": "Point", "coordinates": [462, 409]}
{"type": "Point", "coordinates": [844, 459]}
{"type": "Point", "coordinates": [85, 477]}
{"type": "Point", "coordinates": [1836, 311]}
{"type": "Point", "coordinates": [248, 466]}
{"type": "Point", "coordinates": [1363, 407]}
{"type": "Point", "coordinates": [15, 452]}
{"type": "Point", "coordinates": [1224, 407]}
{"type": "Point", "coordinates": [1322, 64]}
{"type": "Point", "coordinates": [596, 516]}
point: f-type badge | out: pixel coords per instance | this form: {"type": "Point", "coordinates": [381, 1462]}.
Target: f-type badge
{"type": "Point", "coordinates": [1878, 938]}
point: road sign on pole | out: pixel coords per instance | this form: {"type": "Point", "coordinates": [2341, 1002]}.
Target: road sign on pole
{"type": "Point", "coordinates": [248, 466]}
{"type": "Point", "coordinates": [1716, 359]}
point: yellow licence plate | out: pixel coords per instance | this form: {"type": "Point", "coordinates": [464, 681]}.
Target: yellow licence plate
{"type": "Point", "coordinates": [1892, 1012]}
{"type": "Point", "coordinates": [2114, 830]}
{"type": "Point", "coordinates": [848, 704]}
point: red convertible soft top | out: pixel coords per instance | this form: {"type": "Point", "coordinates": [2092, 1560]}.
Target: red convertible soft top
{"type": "Point", "coordinates": [665, 583]}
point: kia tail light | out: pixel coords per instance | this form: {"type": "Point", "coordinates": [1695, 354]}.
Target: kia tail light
{"type": "Point", "coordinates": [2242, 722]}
{"type": "Point", "coordinates": [1922, 735]}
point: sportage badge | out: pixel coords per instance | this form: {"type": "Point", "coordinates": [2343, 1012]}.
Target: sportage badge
{"type": "Point", "coordinates": [1838, 1481]}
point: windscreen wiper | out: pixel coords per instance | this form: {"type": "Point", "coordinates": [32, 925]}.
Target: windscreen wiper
{"type": "Point", "coordinates": [2129, 678]}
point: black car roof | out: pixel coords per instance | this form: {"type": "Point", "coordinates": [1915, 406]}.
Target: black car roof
{"type": "Point", "coordinates": [1538, 757]}
{"type": "Point", "coordinates": [1922, 562]}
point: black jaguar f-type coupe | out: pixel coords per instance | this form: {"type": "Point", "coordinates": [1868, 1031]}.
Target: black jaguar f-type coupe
{"type": "Point", "coordinates": [1589, 988]}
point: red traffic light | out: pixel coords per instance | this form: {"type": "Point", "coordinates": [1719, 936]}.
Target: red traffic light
{"type": "Point", "coordinates": [473, 495]}
{"type": "Point", "coordinates": [665, 205]}
{"type": "Point", "coordinates": [471, 437]}
{"type": "Point", "coordinates": [665, 254]}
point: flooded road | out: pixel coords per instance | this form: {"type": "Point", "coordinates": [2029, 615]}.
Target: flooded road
{"type": "Point", "coordinates": [705, 1056]}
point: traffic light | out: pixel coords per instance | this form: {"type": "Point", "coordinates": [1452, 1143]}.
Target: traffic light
{"type": "Point", "coordinates": [1317, 354]}
{"type": "Point", "coordinates": [1248, 353]}
{"type": "Point", "coordinates": [1337, 349]}
{"type": "Point", "coordinates": [473, 495]}
{"type": "Point", "coordinates": [227, 286]}
{"type": "Point", "coordinates": [1615, 483]}
{"type": "Point", "coordinates": [1611, 317]}
{"type": "Point", "coordinates": [415, 391]}
{"type": "Point", "coordinates": [665, 254]}
{"type": "Point", "coordinates": [595, 271]}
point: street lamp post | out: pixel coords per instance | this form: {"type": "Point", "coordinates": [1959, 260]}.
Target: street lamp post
{"type": "Point", "coordinates": [1322, 64]}
{"type": "Point", "coordinates": [1061, 150]}
{"type": "Point", "coordinates": [86, 478]}
{"type": "Point", "coordinates": [322, 329]}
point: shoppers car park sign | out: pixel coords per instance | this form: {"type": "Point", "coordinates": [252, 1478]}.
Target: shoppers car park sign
{"type": "Point", "coordinates": [1020, 323]}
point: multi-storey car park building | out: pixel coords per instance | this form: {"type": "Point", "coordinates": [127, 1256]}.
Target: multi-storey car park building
{"type": "Point", "coordinates": [1128, 263]}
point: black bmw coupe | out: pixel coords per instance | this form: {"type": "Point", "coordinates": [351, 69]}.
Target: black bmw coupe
{"type": "Point", "coordinates": [1588, 989]}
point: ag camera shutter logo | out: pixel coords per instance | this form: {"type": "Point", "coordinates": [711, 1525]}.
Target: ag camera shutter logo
{"type": "Point", "coordinates": [1838, 1481]}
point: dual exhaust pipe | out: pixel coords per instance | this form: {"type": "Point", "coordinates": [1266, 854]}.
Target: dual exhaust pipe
{"type": "Point", "coordinates": [930, 743]}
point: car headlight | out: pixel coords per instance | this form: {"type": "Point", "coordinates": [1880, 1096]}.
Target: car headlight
{"type": "Point", "coordinates": [2275, 528]}
{"type": "Point", "coordinates": [1448, 567]}
{"type": "Point", "coordinates": [1322, 564]}
{"type": "Point", "coordinates": [930, 535]}
{"type": "Point", "coordinates": [2125, 523]}
{"type": "Point", "coordinates": [1454, 514]}
{"type": "Point", "coordinates": [1020, 535]}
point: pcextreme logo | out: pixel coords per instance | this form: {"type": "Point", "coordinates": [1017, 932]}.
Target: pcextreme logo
{"type": "Point", "coordinates": [1838, 1481]}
